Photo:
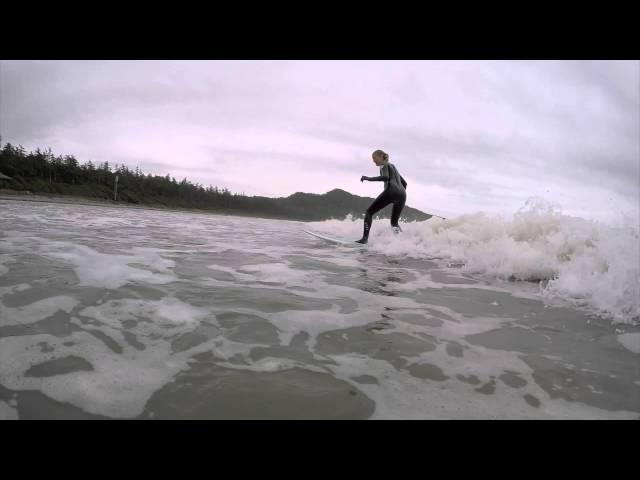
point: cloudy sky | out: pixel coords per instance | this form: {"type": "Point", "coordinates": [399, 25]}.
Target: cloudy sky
{"type": "Point", "coordinates": [466, 135]}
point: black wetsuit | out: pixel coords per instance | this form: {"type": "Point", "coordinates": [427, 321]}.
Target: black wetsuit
{"type": "Point", "coordinates": [394, 192]}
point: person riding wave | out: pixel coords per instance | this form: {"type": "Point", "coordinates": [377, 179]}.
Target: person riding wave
{"type": "Point", "coordinates": [394, 192]}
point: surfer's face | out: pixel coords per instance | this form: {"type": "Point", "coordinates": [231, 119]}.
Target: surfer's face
{"type": "Point", "coordinates": [377, 159]}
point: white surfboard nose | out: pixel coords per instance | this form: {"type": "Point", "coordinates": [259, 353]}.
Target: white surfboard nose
{"type": "Point", "coordinates": [341, 241]}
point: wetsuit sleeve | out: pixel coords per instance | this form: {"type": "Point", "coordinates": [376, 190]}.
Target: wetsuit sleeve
{"type": "Point", "coordinates": [402, 180]}
{"type": "Point", "coordinates": [384, 175]}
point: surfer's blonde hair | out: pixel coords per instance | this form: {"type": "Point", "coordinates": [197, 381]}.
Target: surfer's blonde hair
{"type": "Point", "coordinates": [381, 153]}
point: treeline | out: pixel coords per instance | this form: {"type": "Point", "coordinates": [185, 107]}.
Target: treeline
{"type": "Point", "coordinates": [43, 172]}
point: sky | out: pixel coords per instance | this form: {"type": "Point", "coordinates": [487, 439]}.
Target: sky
{"type": "Point", "coordinates": [467, 136]}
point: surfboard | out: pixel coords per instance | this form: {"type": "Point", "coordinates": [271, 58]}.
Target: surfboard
{"type": "Point", "coordinates": [340, 241]}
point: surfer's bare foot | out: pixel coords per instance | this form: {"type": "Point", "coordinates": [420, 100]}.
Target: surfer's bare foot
{"type": "Point", "coordinates": [362, 240]}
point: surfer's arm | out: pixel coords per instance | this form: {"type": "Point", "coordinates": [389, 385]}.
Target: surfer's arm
{"type": "Point", "coordinates": [381, 178]}
{"type": "Point", "coordinates": [404, 183]}
{"type": "Point", "coordinates": [384, 171]}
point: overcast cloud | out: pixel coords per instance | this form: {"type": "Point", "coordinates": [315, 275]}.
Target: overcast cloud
{"type": "Point", "coordinates": [466, 135]}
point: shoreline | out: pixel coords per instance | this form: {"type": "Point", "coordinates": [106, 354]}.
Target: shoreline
{"type": "Point", "coordinates": [22, 196]}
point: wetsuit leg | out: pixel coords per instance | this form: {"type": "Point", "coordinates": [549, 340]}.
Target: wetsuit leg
{"type": "Point", "coordinates": [398, 205]}
{"type": "Point", "coordinates": [378, 204]}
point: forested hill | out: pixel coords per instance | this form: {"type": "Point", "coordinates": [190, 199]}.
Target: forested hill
{"type": "Point", "coordinates": [42, 172]}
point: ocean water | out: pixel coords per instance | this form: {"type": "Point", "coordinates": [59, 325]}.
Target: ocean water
{"type": "Point", "coordinates": [109, 312]}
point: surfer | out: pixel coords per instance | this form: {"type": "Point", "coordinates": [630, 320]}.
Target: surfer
{"type": "Point", "coordinates": [394, 192]}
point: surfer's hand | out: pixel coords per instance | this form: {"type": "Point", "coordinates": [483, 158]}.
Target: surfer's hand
{"type": "Point", "coordinates": [363, 178]}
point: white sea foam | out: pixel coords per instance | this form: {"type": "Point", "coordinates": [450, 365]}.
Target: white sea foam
{"type": "Point", "coordinates": [36, 311]}
{"type": "Point", "coordinates": [7, 412]}
{"type": "Point", "coordinates": [112, 270]}
{"type": "Point", "coordinates": [118, 385]}
{"type": "Point", "coordinates": [586, 263]}
{"type": "Point", "coordinates": [163, 318]}
{"type": "Point", "coordinates": [630, 341]}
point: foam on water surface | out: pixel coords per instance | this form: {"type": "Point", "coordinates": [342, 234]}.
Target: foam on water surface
{"type": "Point", "coordinates": [583, 262]}
{"type": "Point", "coordinates": [7, 412]}
{"type": "Point", "coordinates": [110, 312]}
{"type": "Point", "coordinates": [36, 311]}
{"type": "Point", "coordinates": [631, 341]}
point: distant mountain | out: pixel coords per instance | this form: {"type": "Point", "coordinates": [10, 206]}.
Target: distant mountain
{"type": "Point", "coordinates": [335, 204]}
